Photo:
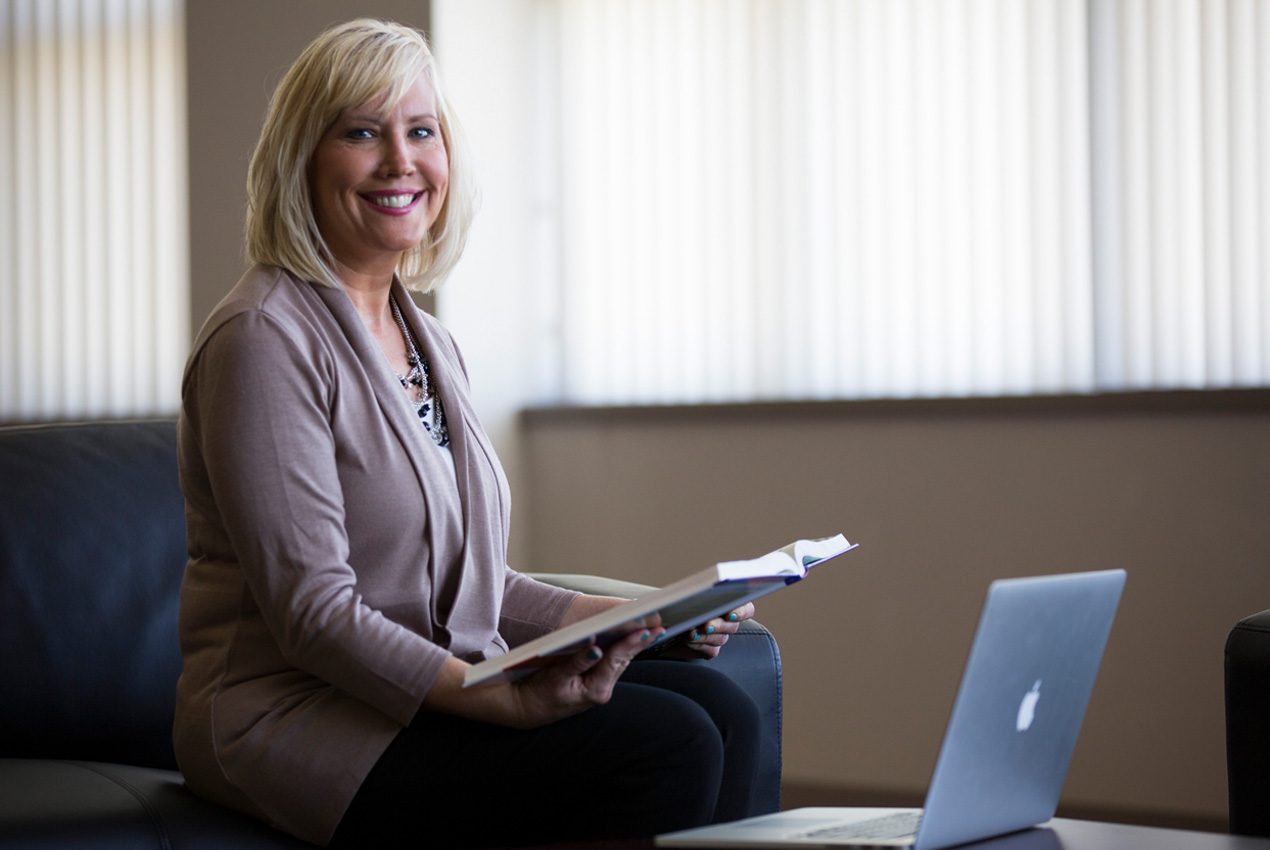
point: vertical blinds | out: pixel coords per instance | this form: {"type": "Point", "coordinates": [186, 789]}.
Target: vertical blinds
{"type": "Point", "coordinates": [93, 270]}
{"type": "Point", "coordinates": [863, 198]}
{"type": "Point", "coordinates": [1181, 135]}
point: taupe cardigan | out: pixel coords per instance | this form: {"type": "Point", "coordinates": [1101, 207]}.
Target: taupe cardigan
{"type": "Point", "coordinates": [334, 565]}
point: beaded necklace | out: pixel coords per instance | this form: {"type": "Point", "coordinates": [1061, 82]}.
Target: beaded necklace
{"type": "Point", "coordinates": [418, 384]}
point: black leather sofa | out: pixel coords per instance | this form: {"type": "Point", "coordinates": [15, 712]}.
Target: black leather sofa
{"type": "Point", "coordinates": [1248, 725]}
{"type": "Point", "coordinates": [92, 547]}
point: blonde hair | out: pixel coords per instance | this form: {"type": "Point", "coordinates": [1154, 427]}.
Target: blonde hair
{"type": "Point", "coordinates": [344, 67]}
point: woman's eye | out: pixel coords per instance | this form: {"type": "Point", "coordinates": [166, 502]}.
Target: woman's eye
{"type": "Point", "coordinates": [358, 133]}
{"type": "Point", "coordinates": [422, 133]}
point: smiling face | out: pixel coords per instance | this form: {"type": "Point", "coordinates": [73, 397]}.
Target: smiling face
{"type": "Point", "coordinates": [378, 180]}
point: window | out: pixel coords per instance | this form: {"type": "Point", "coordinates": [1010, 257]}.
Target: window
{"type": "Point", "coordinates": [765, 199]}
{"type": "Point", "coordinates": [93, 277]}
{"type": "Point", "coordinates": [1181, 212]}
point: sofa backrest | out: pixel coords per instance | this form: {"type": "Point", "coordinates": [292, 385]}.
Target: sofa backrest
{"type": "Point", "coordinates": [92, 549]}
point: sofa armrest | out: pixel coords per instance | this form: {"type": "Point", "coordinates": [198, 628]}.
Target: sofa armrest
{"type": "Point", "coordinates": [1248, 724]}
{"type": "Point", "coordinates": [751, 659]}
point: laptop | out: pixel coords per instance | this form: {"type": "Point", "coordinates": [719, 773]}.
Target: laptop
{"type": "Point", "coordinates": [1009, 741]}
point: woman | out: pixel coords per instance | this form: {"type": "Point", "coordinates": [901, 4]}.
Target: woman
{"type": "Point", "coordinates": [347, 523]}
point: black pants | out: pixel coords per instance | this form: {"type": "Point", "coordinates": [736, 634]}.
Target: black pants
{"type": "Point", "coordinates": [676, 746]}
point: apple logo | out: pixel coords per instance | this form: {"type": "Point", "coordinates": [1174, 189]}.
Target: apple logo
{"type": "Point", "coordinates": [1027, 708]}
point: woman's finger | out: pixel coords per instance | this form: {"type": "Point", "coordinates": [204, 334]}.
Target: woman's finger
{"type": "Point", "coordinates": [714, 632]}
{"type": "Point", "coordinates": [585, 659]}
{"type": "Point", "coordinates": [599, 681]}
{"type": "Point", "coordinates": [620, 653]}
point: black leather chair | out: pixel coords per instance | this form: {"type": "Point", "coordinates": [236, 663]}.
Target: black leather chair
{"type": "Point", "coordinates": [92, 548]}
{"type": "Point", "coordinates": [1248, 725]}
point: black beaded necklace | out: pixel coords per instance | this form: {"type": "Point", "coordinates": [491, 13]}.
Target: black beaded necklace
{"type": "Point", "coordinates": [418, 383]}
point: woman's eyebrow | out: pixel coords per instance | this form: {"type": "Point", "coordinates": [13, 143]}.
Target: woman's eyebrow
{"type": "Point", "coordinates": [361, 117]}
{"type": "Point", "coordinates": [369, 117]}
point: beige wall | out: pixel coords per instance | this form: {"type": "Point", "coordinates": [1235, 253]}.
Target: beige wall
{"type": "Point", "coordinates": [237, 51]}
{"type": "Point", "coordinates": [945, 497]}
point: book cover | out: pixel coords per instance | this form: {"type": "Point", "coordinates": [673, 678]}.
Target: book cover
{"type": "Point", "coordinates": [680, 607]}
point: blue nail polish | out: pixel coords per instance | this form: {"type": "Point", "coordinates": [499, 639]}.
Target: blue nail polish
{"type": "Point", "coordinates": [594, 654]}
{"type": "Point", "coordinates": [645, 636]}
{"type": "Point", "coordinates": [695, 636]}
{"type": "Point", "coordinates": [732, 617]}
{"type": "Point", "coordinates": [710, 630]}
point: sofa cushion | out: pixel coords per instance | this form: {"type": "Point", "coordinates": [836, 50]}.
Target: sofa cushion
{"type": "Point", "coordinates": [92, 548]}
{"type": "Point", "coordinates": [103, 806]}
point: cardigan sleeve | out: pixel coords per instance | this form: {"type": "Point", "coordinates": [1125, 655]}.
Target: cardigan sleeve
{"type": "Point", "coordinates": [260, 405]}
{"type": "Point", "coordinates": [531, 608]}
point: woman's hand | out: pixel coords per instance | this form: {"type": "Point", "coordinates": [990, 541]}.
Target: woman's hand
{"type": "Point", "coordinates": [572, 685]}
{"type": "Point", "coordinates": [578, 682]}
{"type": "Point", "coordinates": [707, 640]}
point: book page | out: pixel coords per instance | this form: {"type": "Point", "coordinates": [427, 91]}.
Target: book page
{"type": "Point", "coordinates": [805, 553]}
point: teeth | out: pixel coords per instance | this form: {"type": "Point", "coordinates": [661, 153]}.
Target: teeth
{"type": "Point", "coordinates": [394, 201]}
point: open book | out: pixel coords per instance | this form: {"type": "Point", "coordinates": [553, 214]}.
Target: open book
{"type": "Point", "coordinates": [681, 606]}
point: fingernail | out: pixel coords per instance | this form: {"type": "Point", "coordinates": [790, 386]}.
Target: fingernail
{"type": "Point", "coordinates": [732, 617]}
{"type": "Point", "coordinates": [695, 636]}
{"type": "Point", "coordinates": [645, 636]}
{"type": "Point", "coordinates": [709, 630]}
{"type": "Point", "coordinates": [594, 654]}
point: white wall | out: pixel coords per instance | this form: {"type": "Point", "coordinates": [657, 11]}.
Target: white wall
{"type": "Point", "coordinates": [494, 302]}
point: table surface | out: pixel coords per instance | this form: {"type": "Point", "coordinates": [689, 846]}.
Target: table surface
{"type": "Point", "coordinates": [1057, 834]}
{"type": "Point", "coordinates": [1066, 834]}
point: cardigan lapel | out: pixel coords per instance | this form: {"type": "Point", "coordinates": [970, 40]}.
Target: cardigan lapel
{"type": "Point", "coordinates": [392, 401]}
{"type": "Point", "coordinates": [472, 563]}
{"type": "Point", "coordinates": [478, 473]}
{"type": "Point", "coordinates": [396, 409]}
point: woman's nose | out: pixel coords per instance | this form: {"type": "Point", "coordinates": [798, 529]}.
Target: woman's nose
{"type": "Point", "coordinates": [396, 159]}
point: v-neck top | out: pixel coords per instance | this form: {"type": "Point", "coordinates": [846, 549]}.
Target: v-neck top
{"type": "Point", "coordinates": [337, 557]}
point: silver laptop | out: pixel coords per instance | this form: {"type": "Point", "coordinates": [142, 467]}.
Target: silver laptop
{"type": "Point", "coordinates": [1008, 744]}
